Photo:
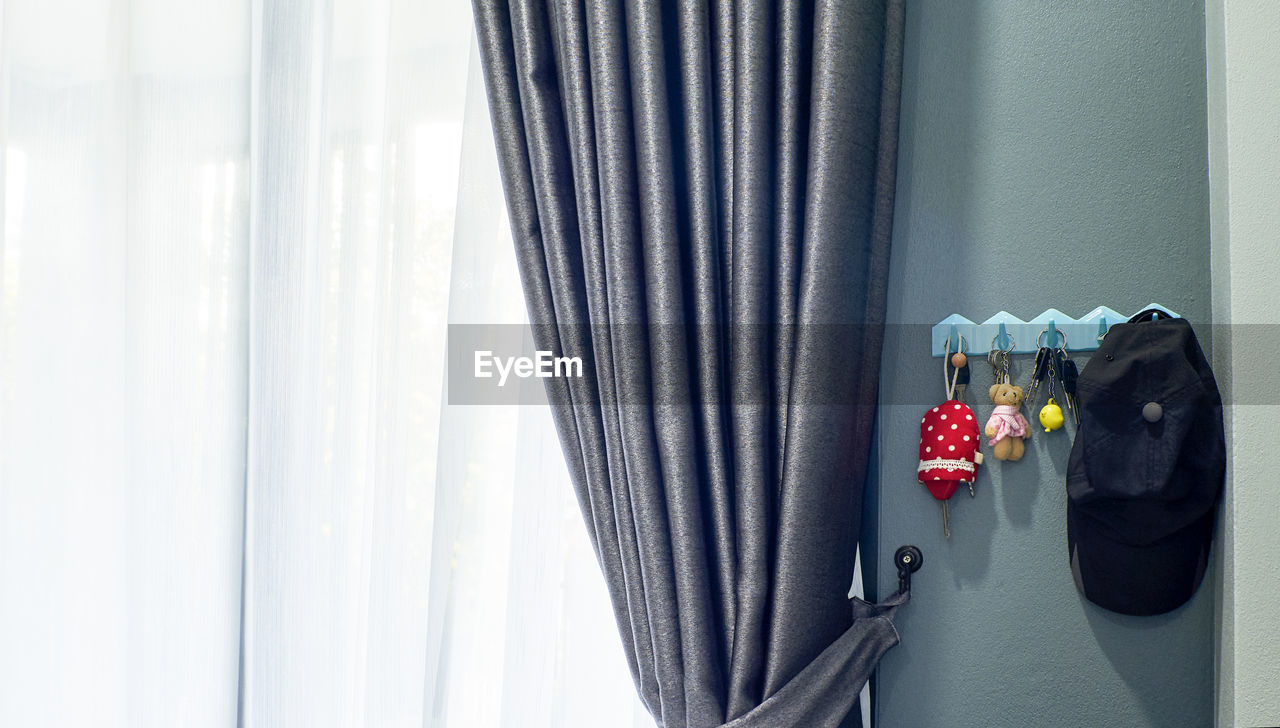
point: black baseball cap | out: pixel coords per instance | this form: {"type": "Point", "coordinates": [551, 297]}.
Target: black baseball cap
{"type": "Point", "coordinates": [1147, 468]}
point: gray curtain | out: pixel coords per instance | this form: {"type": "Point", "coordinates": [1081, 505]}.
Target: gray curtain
{"type": "Point", "coordinates": [701, 197]}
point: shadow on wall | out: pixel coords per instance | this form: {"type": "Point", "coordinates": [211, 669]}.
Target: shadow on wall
{"type": "Point", "coordinates": [1123, 636]}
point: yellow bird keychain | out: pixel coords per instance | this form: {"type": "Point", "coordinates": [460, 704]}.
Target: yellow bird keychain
{"type": "Point", "coordinates": [1051, 416]}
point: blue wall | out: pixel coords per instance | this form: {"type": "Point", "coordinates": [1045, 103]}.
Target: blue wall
{"type": "Point", "coordinates": [1052, 155]}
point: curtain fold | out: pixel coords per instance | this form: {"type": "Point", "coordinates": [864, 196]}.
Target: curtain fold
{"type": "Point", "coordinates": [700, 198]}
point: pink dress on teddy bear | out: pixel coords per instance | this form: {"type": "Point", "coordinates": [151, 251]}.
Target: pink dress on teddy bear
{"type": "Point", "coordinates": [1007, 420]}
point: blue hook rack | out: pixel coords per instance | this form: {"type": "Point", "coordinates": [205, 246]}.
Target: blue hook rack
{"type": "Point", "coordinates": [1007, 332]}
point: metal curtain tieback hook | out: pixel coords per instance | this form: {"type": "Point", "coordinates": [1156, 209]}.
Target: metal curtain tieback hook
{"type": "Point", "coordinates": [908, 559]}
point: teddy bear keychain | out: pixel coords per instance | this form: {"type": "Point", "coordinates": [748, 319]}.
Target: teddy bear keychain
{"type": "Point", "coordinates": [1006, 427]}
{"type": "Point", "coordinates": [949, 441]}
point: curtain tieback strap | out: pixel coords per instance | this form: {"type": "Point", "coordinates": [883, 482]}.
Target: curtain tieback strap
{"type": "Point", "coordinates": [824, 692]}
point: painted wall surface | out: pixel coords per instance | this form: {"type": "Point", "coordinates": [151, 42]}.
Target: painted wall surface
{"type": "Point", "coordinates": [1052, 155]}
{"type": "Point", "coordinates": [1244, 105]}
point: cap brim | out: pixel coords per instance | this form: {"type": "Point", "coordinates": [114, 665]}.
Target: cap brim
{"type": "Point", "coordinates": [1141, 580]}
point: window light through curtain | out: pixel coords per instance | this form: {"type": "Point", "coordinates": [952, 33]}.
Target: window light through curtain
{"type": "Point", "coordinates": [231, 489]}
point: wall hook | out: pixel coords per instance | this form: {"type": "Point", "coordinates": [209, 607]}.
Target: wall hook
{"type": "Point", "coordinates": [908, 559]}
{"type": "Point", "coordinates": [1053, 336]}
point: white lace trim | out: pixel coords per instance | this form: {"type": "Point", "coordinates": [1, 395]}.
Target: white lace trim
{"type": "Point", "coordinates": [948, 465]}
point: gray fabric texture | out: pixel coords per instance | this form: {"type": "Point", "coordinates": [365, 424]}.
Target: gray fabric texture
{"type": "Point", "coordinates": [701, 197]}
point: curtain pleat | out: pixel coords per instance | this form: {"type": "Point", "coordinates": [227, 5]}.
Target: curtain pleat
{"type": "Point", "coordinates": [701, 197]}
{"type": "Point", "coordinates": [845, 189]}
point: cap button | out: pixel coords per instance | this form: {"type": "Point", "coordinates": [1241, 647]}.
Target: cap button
{"type": "Point", "coordinates": [1152, 411]}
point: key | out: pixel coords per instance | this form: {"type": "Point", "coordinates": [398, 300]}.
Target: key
{"type": "Point", "coordinates": [993, 358]}
{"type": "Point", "coordinates": [962, 381]}
{"type": "Point", "coordinates": [1037, 375]}
{"type": "Point", "coordinates": [1030, 394]}
{"type": "Point", "coordinates": [1046, 370]}
{"type": "Point", "coordinates": [1069, 377]}
{"type": "Point", "coordinates": [946, 521]}
{"type": "Point", "coordinates": [999, 361]}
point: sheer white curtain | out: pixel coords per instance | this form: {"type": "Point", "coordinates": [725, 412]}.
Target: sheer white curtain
{"type": "Point", "coordinates": [231, 489]}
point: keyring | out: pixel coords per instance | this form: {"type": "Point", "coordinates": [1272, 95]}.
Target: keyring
{"type": "Point", "coordinates": [1059, 332]}
{"type": "Point", "coordinates": [1011, 342]}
